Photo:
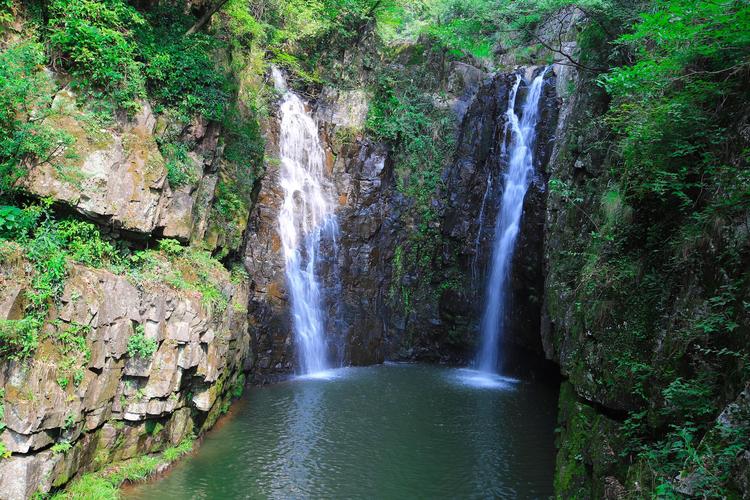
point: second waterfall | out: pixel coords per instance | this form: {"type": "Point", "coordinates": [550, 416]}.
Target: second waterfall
{"type": "Point", "coordinates": [520, 133]}
{"type": "Point", "coordinates": [306, 218]}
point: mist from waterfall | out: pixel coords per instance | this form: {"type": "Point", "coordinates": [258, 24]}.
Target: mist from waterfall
{"type": "Point", "coordinates": [306, 217]}
{"type": "Point", "coordinates": [517, 179]}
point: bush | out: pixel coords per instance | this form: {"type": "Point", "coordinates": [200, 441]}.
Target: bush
{"type": "Point", "coordinates": [61, 447]}
{"type": "Point", "coordinates": [170, 247]}
{"type": "Point", "coordinates": [180, 168]}
{"type": "Point", "coordinates": [16, 223]}
{"type": "Point", "coordinates": [116, 51]}
{"type": "Point", "coordinates": [19, 338]}
{"type": "Point", "coordinates": [94, 39]}
{"type": "Point", "coordinates": [25, 87]}
{"type": "Point", "coordinates": [180, 71]}
{"type": "Point", "coordinates": [139, 346]}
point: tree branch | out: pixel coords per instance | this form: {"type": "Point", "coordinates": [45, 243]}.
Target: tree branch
{"type": "Point", "coordinates": [205, 17]}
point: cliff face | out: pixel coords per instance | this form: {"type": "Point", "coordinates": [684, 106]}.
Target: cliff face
{"type": "Point", "coordinates": [117, 175]}
{"type": "Point", "coordinates": [122, 406]}
{"type": "Point", "coordinates": [128, 362]}
{"type": "Point", "coordinates": [375, 221]}
{"type": "Point", "coordinates": [636, 313]}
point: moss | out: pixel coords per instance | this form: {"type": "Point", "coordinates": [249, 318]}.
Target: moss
{"type": "Point", "coordinates": [103, 485]}
{"type": "Point", "coordinates": [572, 479]}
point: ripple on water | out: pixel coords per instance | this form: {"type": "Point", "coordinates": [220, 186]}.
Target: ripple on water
{"type": "Point", "coordinates": [332, 374]}
{"type": "Point", "coordinates": [393, 431]}
{"type": "Point", "coordinates": [482, 380]}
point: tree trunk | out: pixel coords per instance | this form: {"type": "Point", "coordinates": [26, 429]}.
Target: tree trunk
{"type": "Point", "coordinates": [205, 17]}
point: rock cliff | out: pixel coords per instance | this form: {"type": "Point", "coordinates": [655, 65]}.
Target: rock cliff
{"type": "Point", "coordinates": [85, 388]}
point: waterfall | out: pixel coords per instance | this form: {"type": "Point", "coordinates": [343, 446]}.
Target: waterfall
{"type": "Point", "coordinates": [480, 230]}
{"type": "Point", "coordinates": [520, 161]}
{"type": "Point", "coordinates": [305, 219]}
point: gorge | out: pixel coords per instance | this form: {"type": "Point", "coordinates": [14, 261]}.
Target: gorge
{"type": "Point", "coordinates": [387, 249]}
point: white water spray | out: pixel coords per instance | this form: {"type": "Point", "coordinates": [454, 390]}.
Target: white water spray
{"type": "Point", "coordinates": [305, 218]}
{"type": "Point", "coordinates": [517, 181]}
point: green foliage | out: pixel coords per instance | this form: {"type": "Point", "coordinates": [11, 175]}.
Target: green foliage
{"type": "Point", "coordinates": [69, 421]}
{"type": "Point", "coordinates": [180, 168]}
{"type": "Point", "coordinates": [140, 346]}
{"type": "Point", "coordinates": [666, 104]}
{"type": "Point", "coordinates": [15, 222]}
{"type": "Point", "coordinates": [183, 448]}
{"type": "Point", "coordinates": [61, 447]}
{"type": "Point", "coordinates": [188, 269]}
{"type": "Point", "coordinates": [95, 40]}
{"type": "Point", "coordinates": [659, 277]}
{"type": "Point", "coordinates": [89, 486]}
{"type": "Point", "coordinates": [49, 244]}
{"type": "Point", "coordinates": [170, 247]}
{"type": "Point", "coordinates": [83, 243]}
{"type": "Point", "coordinates": [230, 210]}
{"type": "Point", "coordinates": [239, 386]}
{"type": "Point", "coordinates": [25, 93]}
{"type": "Point", "coordinates": [104, 485]}
{"type": "Point", "coordinates": [179, 68]}
{"type": "Point", "coordinates": [460, 27]}
{"type": "Point", "coordinates": [6, 13]}
{"type": "Point", "coordinates": [423, 138]}
{"type": "Point", "coordinates": [116, 51]}
{"type": "Point", "coordinates": [19, 338]}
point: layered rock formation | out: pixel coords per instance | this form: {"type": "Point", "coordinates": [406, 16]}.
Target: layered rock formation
{"type": "Point", "coordinates": [123, 405]}
{"type": "Point", "coordinates": [117, 176]}
{"type": "Point", "coordinates": [86, 398]}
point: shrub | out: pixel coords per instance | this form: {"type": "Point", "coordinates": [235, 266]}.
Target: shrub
{"type": "Point", "coordinates": [25, 87]}
{"type": "Point", "coordinates": [19, 338]}
{"type": "Point", "coordinates": [94, 39]}
{"type": "Point", "coordinates": [139, 346]}
{"type": "Point", "coordinates": [180, 168]}
{"type": "Point", "coordinates": [15, 222]}
{"type": "Point", "coordinates": [170, 247]}
{"type": "Point", "coordinates": [180, 71]}
{"type": "Point", "coordinates": [61, 447]}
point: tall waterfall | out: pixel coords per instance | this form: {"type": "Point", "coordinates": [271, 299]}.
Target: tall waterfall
{"type": "Point", "coordinates": [305, 218]}
{"type": "Point", "coordinates": [517, 179]}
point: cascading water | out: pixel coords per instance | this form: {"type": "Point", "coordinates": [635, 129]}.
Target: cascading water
{"type": "Point", "coordinates": [305, 218]}
{"type": "Point", "coordinates": [520, 154]}
{"type": "Point", "coordinates": [480, 230]}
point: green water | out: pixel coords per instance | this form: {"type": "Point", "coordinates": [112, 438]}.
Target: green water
{"type": "Point", "coordinates": [391, 431]}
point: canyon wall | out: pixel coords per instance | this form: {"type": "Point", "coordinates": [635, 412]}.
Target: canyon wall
{"type": "Point", "coordinates": [369, 322]}
{"type": "Point", "coordinates": [130, 360]}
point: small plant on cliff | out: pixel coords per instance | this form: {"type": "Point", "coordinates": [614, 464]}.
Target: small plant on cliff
{"type": "Point", "coordinates": [170, 247]}
{"type": "Point", "coordinates": [139, 346]}
{"type": "Point", "coordinates": [175, 452]}
{"type": "Point", "coordinates": [61, 447]}
{"type": "Point", "coordinates": [180, 168]}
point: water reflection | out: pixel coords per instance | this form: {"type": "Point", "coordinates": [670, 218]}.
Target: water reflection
{"type": "Point", "coordinates": [393, 431]}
